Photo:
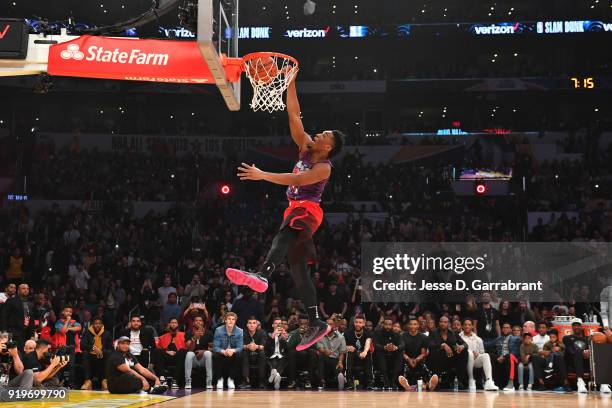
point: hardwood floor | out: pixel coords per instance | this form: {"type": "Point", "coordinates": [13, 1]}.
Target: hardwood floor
{"type": "Point", "coordinates": [352, 399]}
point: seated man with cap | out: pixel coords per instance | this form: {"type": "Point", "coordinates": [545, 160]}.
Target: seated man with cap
{"type": "Point", "coordinates": [125, 375]}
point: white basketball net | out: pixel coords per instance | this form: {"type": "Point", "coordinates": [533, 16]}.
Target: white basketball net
{"type": "Point", "coordinates": [269, 82]}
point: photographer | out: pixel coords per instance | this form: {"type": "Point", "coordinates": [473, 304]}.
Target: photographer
{"type": "Point", "coordinates": [125, 374]}
{"type": "Point", "coordinates": [12, 366]}
{"type": "Point", "coordinates": [44, 365]}
{"type": "Point", "coordinates": [97, 344]}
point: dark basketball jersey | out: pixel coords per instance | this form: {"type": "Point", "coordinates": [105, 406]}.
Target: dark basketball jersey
{"type": "Point", "coordinates": [310, 192]}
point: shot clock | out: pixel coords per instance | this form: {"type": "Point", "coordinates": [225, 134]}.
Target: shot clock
{"type": "Point", "coordinates": [583, 83]}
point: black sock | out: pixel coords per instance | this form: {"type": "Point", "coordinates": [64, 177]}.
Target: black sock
{"type": "Point", "coordinates": [268, 269]}
{"type": "Point", "coordinates": [313, 313]}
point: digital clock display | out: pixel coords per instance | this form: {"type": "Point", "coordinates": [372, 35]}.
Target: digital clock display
{"type": "Point", "coordinates": [583, 82]}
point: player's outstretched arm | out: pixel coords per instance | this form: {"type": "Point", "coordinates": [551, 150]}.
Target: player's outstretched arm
{"type": "Point", "coordinates": [320, 172]}
{"type": "Point", "coordinates": [300, 137]}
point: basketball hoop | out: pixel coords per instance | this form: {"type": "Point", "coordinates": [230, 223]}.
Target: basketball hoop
{"type": "Point", "coordinates": [270, 74]}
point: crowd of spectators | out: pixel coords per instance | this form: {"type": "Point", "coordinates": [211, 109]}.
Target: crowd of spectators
{"type": "Point", "coordinates": [77, 278]}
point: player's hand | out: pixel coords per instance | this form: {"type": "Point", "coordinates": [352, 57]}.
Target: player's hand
{"type": "Point", "coordinates": [350, 349]}
{"type": "Point", "coordinates": [363, 354]}
{"type": "Point", "coordinates": [246, 172]}
{"type": "Point", "coordinates": [145, 384]}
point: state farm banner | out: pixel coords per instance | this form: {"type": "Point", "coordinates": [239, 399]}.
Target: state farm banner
{"type": "Point", "coordinates": [130, 59]}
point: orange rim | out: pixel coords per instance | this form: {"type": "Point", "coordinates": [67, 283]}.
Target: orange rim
{"type": "Point", "coordinates": [264, 54]}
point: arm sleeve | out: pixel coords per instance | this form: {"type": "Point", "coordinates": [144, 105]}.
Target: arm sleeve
{"type": "Point", "coordinates": [240, 342]}
{"type": "Point", "coordinates": [217, 343]}
{"type": "Point", "coordinates": [481, 349]}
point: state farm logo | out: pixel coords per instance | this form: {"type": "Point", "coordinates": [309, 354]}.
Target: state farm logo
{"type": "Point", "coordinates": [116, 56]}
{"type": "Point", "coordinates": [72, 52]}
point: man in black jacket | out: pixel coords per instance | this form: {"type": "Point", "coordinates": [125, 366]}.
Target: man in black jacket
{"type": "Point", "coordinates": [358, 351]}
{"type": "Point", "coordinates": [96, 346]}
{"type": "Point", "coordinates": [142, 341]}
{"type": "Point", "coordinates": [388, 348]}
{"type": "Point", "coordinates": [18, 316]}
{"type": "Point", "coordinates": [277, 352]}
{"type": "Point", "coordinates": [447, 353]}
{"type": "Point", "coordinates": [254, 342]}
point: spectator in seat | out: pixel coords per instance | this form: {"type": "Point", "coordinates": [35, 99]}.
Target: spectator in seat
{"type": "Point", "coordinates": [358, 351]}
{"type": "Point", "coordinates": [171, 351]}
{"type": "Point", "coordinates": [96, 346]}
{"type": "Point", "coordinates": [542, 337]}
{"type": "Point", "coordinates": [507, 347]}
{"type": "Point", "coordinates": [125, 374]}
{"type": "Point", "coordinates": [277, 352]}
{"type": "Point", "coordinates": [332, 302]}
{"type": "Point", "coordinates": [227, 345]}
{"type": "Point", "coordinates": [305, 359]}
{"type": "Point", "coordinates": [332, 349]}
{"type": "Point", "coordinates": [67, 335]}
{"type": "Point", "coordinates": [199, 352]}
{"type": "Point", "coordinates": [477, 358]}
{"type": "Point", "coordinates": [414, 355]}
{"type": "Point", "coordinates": [253, 351]}
{"type": "Point", "coordinates": [247, 306]}
{"type": "Point", "coordinates": [388, 348]}
{"type": "Point", "coordinates": [142, 342]}
{"type": "Point", "coordinates": [447, 353]}
{"type": "Point", "coordinates": [165, 290]}
{"type": "Point", "coordinates": [529, 355]}
{"type": "Point", "coordinates": [577, 354]}
{"type": "Point", "coordinates": [171, 310]}
{"type": "Point", "coordinates": [18, 315]}
{"type": "Point", "coordinates": [554, 362]}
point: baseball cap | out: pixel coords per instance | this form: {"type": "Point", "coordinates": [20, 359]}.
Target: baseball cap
{"type": "Point", "coordinates": [122, 339]}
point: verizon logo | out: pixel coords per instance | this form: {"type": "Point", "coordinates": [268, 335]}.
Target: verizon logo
{"type": "Point", "coordinates": [116, 56]}
{"type": "Point", "coordinates": [495, 29]}
{"type": "Point", "coordinates": [3, 33]}
{"type": "Point", "coordinates": [306, 33]}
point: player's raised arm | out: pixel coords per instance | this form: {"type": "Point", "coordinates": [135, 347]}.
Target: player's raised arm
{"type": "Point", "coordinates": [300, 137]}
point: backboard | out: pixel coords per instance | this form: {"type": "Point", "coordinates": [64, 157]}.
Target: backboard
{"type": "Point", "coordinates": [218, 38]}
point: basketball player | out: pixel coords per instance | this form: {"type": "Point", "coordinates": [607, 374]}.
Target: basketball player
{"type": "Point", "coordinates": [302, 217]}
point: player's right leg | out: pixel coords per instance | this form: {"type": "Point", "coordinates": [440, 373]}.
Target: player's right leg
{"type": "Point", "coordinates": [285, 238]}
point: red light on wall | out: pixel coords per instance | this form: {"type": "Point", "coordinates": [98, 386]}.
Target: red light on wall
{"type": "Point", "coordinates": [457, 124]}
{"type": "Point", "coordinates": [481, 188]}
{"type": "Point", "coordinates": [225, 189]}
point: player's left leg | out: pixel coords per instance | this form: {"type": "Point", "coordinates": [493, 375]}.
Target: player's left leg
{"type": "Point", "coordinates": [298, 267]}
{"type": "Point", "coordinates": [283, 241]}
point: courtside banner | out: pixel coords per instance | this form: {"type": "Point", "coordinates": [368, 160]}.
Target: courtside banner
{"type": "Point", "coordinates": [448, 272]}
{"type": "Point", "coordinates": [130, 59]}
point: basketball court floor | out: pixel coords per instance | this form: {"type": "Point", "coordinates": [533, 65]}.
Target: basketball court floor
{"type": "Point", "coordinates": [326, 399]}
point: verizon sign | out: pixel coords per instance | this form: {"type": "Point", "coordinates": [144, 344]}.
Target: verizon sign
{"type": "Point", "coordinates": [130, 59]}
{"type": "Point", "coordinates": [307, 33]}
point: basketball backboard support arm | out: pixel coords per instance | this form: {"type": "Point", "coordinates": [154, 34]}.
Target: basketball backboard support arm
{"type": "Point", "coordinates": [212, 52]}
